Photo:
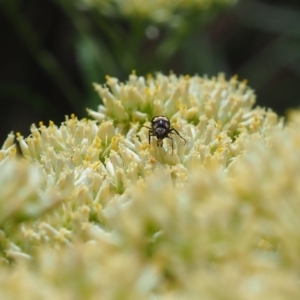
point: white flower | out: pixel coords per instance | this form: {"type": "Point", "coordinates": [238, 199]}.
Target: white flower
{"type": "Point", "coordinates": [224, 207]}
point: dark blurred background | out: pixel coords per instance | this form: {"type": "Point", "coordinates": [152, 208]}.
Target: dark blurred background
{"type": "Point", "coordinates": [52, 51]}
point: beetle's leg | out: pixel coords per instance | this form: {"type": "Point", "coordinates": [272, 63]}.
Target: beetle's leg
{"type": "Point", "coordinates": [150, 133]}
{"type": "Point", "coordinates": [173, 129]}
{"type": "Point", "coordinates": [159, 143]}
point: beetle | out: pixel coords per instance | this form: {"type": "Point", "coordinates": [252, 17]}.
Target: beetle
{"type": "Point", "coordinates": [161, 128]}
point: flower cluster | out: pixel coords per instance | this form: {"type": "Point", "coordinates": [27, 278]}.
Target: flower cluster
{"type": "Point", "coordinates": [95, 210]}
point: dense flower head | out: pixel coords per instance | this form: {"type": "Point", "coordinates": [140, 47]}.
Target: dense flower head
{"type": "Point", "coordinates": [194, 99]}
{"type": "Point", "coordinates": [93, 209]}
{"type": "Point", "coordinates": [212, 114]}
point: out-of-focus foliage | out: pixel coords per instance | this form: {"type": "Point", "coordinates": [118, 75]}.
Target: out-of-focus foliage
{"type": "Point", "coordinates": [157, 11]}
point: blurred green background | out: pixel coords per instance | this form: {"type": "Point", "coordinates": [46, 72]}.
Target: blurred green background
{"type": "Point", "coordinates": [52, 50]}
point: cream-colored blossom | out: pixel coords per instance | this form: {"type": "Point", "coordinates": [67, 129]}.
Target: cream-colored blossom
{"type": "Point", "coordinates": [212, 114]}
{"type": "Point", "coordinates": [23, 197]}
{"type": "Point", "coordinates": [8, 149]}
{"type": "Point", "coordinates": [194, 99]}
{"type": "Point", "coordinates": [93, 163]}
{"type": "Point", "coordinates": [137, 221]}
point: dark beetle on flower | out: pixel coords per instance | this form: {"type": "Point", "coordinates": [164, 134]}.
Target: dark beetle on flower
{"type": "Point", "coordinates": [161, 128]}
